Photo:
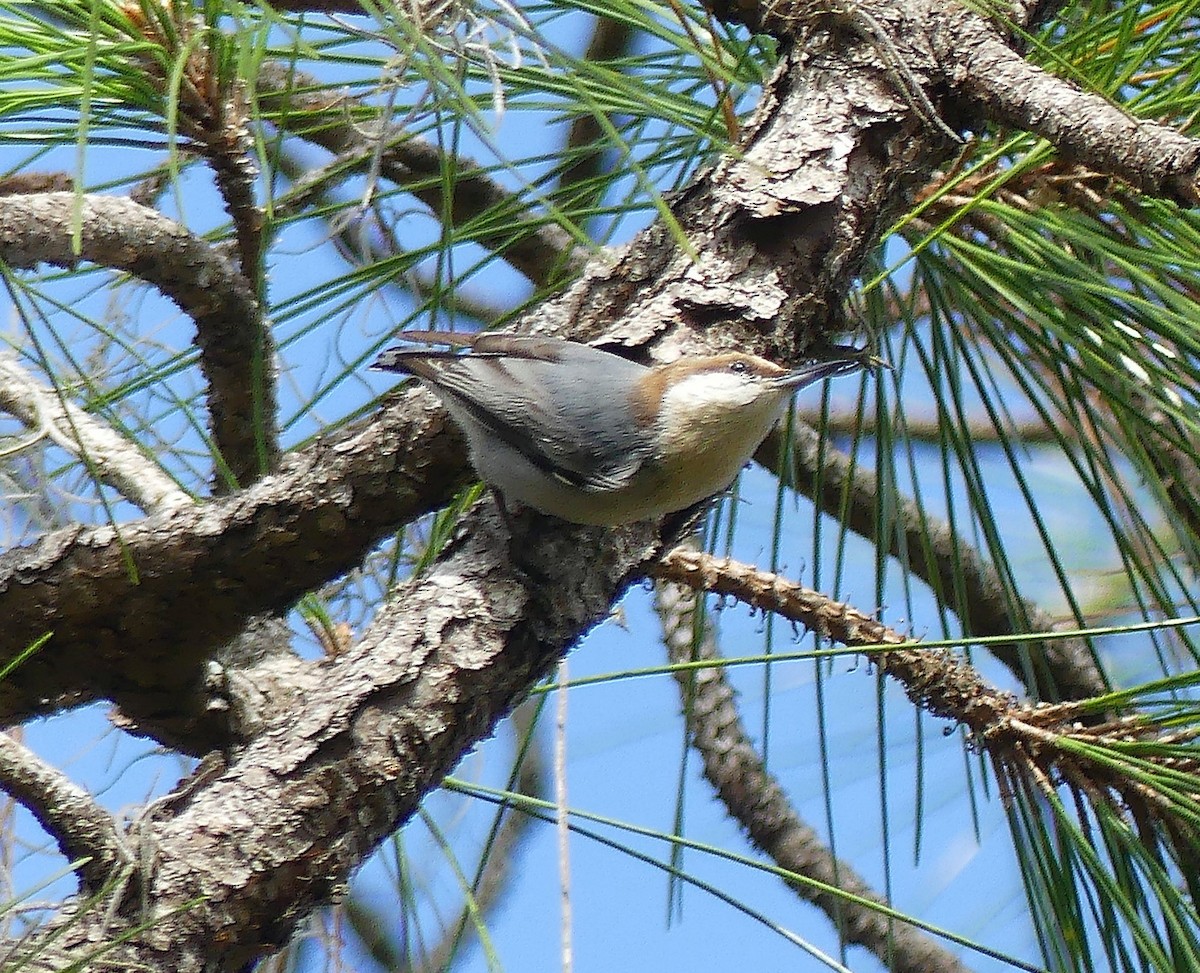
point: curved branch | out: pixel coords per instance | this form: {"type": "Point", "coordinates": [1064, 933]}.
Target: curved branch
{"type": "Point", "coordinates": [540, 249]}
{"type": "Point", "coordinates": [82, 829]}
{"type": "Point", "coordinates": [123, 235]}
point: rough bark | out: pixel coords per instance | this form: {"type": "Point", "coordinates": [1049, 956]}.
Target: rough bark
{"type": "Point", "coordinates": [230, 332]}
{"type": "Point", "coordinates": [762, 251]}
{"type": "Point", "coordinates": [774, 238]}
{"type": "Point", "coordinates": [134, 612]}
{"type": "Point", "coordinates": [229, 869]}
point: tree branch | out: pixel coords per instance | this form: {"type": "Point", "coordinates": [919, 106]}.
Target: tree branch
{"type": "Point", "coordinates": [955, 570]}
{"type": "Point", "coordinates": [934, 679]}
{"type": "Point", "coordinates": [199, 574]}
{"type": "Point", "coordinates": [136, 610]}
{"type": "Point", "coordinates": [123, 235]}
{"type": "Point", "coordinates": [997, 82]}
{"type": "Point", "coordinates": [1034, 747]}
{"type": "Point", "coordinates": [927, 428]}
{"type": "Point", "coordinates": [586, 144]}
{"type": "Point", "coordinates": [82, 829]}
{"type": "Point", "coordinates": [107, 454]}
{"type": "Point", "coordinates": [540, 249]}
{"type": "Point", "coordinates": [989, 79]}
{"type": "Point", "coordinates": [278, 832]}
{"type": "Point", "coordinates": [369, 734]}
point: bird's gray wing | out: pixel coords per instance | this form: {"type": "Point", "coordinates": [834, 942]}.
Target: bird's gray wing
{"type": "Point", "coordinates": [545, 398]}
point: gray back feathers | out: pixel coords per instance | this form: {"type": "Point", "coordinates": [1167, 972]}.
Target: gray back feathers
{"type": "Point", "coordinates": [545, 398]}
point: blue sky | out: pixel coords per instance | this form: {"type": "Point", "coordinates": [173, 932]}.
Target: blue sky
{"type": "Point", "coordinates": [626, 754]}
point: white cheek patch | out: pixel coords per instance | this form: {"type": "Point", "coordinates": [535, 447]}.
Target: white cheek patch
{"type": "Point", "coordinates": [711, 390]}
{"type": "Point", "coordinates": [719, 415]}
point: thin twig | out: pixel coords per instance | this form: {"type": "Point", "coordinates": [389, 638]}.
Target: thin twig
{"type": "Point", "coordinates": [929, 428]}
{"type": "Point", "coordinates": [968, 585]}
{"type": "Point", "coordinates": [585, 146]}
{"type": "Point", "coordinates": [757, 801]}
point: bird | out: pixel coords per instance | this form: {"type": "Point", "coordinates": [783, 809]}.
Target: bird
{"type": "Point", "coordinates": [593, 438]}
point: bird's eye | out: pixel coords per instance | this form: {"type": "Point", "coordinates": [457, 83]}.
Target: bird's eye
{"type": "Point", "coordinates": [737, 367]}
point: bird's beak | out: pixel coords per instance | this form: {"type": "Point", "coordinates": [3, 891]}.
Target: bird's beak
{"type": "Point", "coordinates": [818, 370]}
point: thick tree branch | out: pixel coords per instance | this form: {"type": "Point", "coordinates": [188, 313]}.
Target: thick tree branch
{"type": "Point", "coordinates": [369, 734]}
{"type": "Point", "coordinates": [988, 79]}
{"type": "Point", "coordinates": [774, 235]}
{"type": "Point", "coordinates": [774, 238]}
{"type": "Point", "coordinates": [135, 611]}
{"type": "Point", "coordinates": [1006, 89]}
{"type": "Point", "coordinates": [119, 462]}
{"type": "Point", "coordinates": [764, 248]}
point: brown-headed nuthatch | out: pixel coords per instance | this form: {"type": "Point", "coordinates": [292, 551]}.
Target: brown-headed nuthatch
{"type": "Point", "coordinates": [594, 438]}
